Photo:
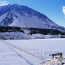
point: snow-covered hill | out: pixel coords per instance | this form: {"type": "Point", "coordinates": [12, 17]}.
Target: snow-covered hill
{"type": "Point", "coordinates": [23, 16]}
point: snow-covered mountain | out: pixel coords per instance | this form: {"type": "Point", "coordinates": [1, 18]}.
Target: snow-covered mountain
{"type": "Point", "coordinates": [23, 16]}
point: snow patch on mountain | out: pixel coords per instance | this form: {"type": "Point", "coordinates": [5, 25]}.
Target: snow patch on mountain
{"type": "Point", "coordinates": [3, 16]}
{"type": "Point", "coordinates": [30, 22]}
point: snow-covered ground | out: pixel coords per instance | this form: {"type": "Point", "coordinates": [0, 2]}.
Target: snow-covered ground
{"type": "Point", "coordinates": [9, 55]}
{"type": "Point", "coordinates": [12, 56]}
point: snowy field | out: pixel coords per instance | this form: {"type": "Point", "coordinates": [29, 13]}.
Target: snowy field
{"type": "Point", "coordinates": [11, 50]}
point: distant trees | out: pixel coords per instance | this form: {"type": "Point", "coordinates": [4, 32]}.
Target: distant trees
{"type": "Point", "coordinates": [31, 30]}
{"type": "Point", "coordinates": [46, 31]}
{"type": "Point", "coordinates": [10, 29]}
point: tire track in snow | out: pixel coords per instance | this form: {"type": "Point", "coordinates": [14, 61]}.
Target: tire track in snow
{"type": "Point", "coordinates": [12, 48]}
{"type": "Point", "coordinates": [41, 58]}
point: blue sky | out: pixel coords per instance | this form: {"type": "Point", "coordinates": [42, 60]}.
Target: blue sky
{"type": "Point", "coordinates": [53, 9]}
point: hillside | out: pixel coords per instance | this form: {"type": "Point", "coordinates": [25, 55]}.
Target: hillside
{"type": "Point", "coordinates": [22, 22]}
{"type": "Point", "coordinates": [23, 16]}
